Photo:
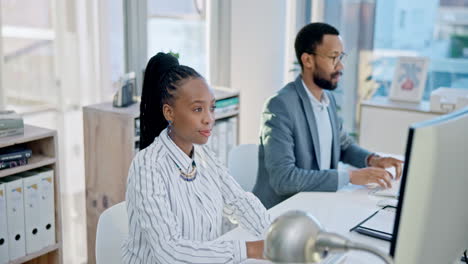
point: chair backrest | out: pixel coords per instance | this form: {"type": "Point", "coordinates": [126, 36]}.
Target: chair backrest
{"type": "Point", "coordinates": [243, 165]}
{"type": "Point", "coordinates": [112, 229]}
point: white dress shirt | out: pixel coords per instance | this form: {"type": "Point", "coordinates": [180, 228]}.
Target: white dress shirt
{"type": "Point", "coordinates": [325, 134]}
{"type": "Point", "coordinates": [172, 220]}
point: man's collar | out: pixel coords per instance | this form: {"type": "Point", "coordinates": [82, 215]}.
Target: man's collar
{"type": "Point", "coordinates": [324, 100]}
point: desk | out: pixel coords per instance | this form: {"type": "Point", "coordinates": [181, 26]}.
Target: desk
{"type": "Point", "coordinates": [337, 212]}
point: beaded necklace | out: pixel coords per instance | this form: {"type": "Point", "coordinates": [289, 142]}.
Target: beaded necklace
{"type": "Point", "coordinates": [188, 176]}
{"type": "Point", "coordinates": [185, 176]}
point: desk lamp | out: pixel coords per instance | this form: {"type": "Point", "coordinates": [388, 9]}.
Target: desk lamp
{"type": "Point", "coordinates": [297, 237]}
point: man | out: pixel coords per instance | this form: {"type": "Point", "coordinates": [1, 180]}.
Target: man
{"type": "Point", "coordinates": [302, 138]}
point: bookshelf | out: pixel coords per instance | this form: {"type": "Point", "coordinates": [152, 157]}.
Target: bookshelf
{"type": "Point", "coordinates": [43, 143]}
{"type": "Point", "coordinates": [111, 139]}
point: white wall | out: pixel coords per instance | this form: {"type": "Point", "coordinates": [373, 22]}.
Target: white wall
{"type": "Point", "coordinates": [258, 34]}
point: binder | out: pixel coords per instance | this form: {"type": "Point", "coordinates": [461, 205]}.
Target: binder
{"type": "Point", "coordinates": [15, 216]}
{"type": "Point", "coordinates": [32, 211]}
{"type": "Point", "coordinates": [222, 141]}
{"type": "Point", "coordinates": [47, 205]}
{"type": "Point", "coordinates": [379, 224]}
{"type": "Point", "coordinates": [234, 122]}
{"type": "Point", "coordinates": [209, 142]}
{"type": "Point", "coordinates": [4, 255]}
{"type": "Point", "coordinates": [215, 140]}
{"type": "Point", "coordinates": [231, 126]}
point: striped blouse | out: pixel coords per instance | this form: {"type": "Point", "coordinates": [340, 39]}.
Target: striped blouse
{"type": "Point", "coordinates": [176, 221]}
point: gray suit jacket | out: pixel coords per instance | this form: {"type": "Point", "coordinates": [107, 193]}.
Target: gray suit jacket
{"type": "Point", "coordinates": [289, 147]}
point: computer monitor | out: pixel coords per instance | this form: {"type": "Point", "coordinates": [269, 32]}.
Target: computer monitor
{"type": "Point", "coordinates": [431, 223]}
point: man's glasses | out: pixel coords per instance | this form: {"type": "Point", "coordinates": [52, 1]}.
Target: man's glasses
{"type": "Point", "coordinates": [335, 59]}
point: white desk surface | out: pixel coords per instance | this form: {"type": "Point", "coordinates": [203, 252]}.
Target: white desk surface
{"type": "Point", "coordinates": [337, 212]}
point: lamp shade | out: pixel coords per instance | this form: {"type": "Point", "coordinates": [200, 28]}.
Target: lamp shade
{"type": "Point", "coordinates": [289, 240]}
{"type": "Point", "coordinates": [297, 237]}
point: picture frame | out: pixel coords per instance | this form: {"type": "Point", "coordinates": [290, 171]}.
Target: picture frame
{"type": "Point", "coordinates": [409, 79]}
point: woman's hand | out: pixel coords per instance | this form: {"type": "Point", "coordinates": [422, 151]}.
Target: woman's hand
{"type": "Point", "coordinates": [255, 249]}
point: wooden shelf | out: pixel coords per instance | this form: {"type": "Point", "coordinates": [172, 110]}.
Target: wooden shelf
{"type": "Point", "coordinates": [225, 115]}
{"type": "Point", "coordinates": [35, 255]}
{"type": "Point", "coordinates": [107, 107]}
{"type": "Point", "coordinates": [36, 161]}
{"type": "Point", "coordinates": [43, 144]}
{"type": "Point", "coordinates": [31, 133]}
{"type": "Point", "coordinates": [223, 93]}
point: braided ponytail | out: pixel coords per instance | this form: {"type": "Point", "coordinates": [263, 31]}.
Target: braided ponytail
{"type": "Point", "coordinates": [163, 75]}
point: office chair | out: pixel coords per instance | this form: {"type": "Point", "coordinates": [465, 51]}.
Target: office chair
{"type": "Point", "coordinates": [243, 165]}
{"type": "Point", "coordinates": [112, 229]}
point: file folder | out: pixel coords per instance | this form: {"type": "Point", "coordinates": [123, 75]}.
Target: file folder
{"type": "Point", "coordinates": [231, 135]}
{"type": "Point", "coordinates": [222, 141]}
{"type": "Point", "coordinates": [4, 255]}
{"type": "Point", "coordinates": [234, 128]}
{"type": "Point", "coordinates": [32, 211]}
{"type": "Point", "coordinates": [215, 140]}
{"type": "Point", "coordinates": [47, 205]}
{"type": "Point", "coordinates": [15, 216]}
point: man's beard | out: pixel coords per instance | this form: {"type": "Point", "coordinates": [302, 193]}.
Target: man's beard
{"type": "Point", "coordinates": [326, 84]}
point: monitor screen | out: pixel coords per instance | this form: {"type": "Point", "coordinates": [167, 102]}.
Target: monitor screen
{"type": "Point", "coordinates": [431, 223]}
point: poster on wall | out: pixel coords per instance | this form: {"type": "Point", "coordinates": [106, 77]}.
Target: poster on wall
{"type": "Point", "coordinates": [409, 79]}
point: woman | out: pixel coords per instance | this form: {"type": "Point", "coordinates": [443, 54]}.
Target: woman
{"type": "Point", "coordinates": [177, 191]}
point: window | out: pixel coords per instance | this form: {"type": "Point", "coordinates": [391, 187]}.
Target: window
{"type": "Point", "coordinates": [434, 29]}
{"type": "Point", "coordinates": [28, 44]}
{"type": "Point", "coordinates": [354, 20]}
{"type": "Point", "coordinates": [180, 27]}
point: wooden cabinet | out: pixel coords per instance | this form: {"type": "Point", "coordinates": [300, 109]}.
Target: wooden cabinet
{"type": "Point", "coordinates": [109, 144]}
{"type": "Point", "coordinates": [384, 123]}
{"type": "Point", "coordinates": [111, 139]}
{"type": "Point", "coordinates": [43, 143]}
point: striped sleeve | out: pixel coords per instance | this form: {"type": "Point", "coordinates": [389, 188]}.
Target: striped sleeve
{"type": "Point", "coordinates": [244, 206]}
{"type": "Point", "coordinates": [162, 229]}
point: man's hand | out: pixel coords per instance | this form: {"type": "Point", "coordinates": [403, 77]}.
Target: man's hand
{"type": "Point", "coordinates": [371, 175]}
{"type": "Point", "coordinates": [255, 249]}
{"type": "Point", "coordinates": [387, 162]}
